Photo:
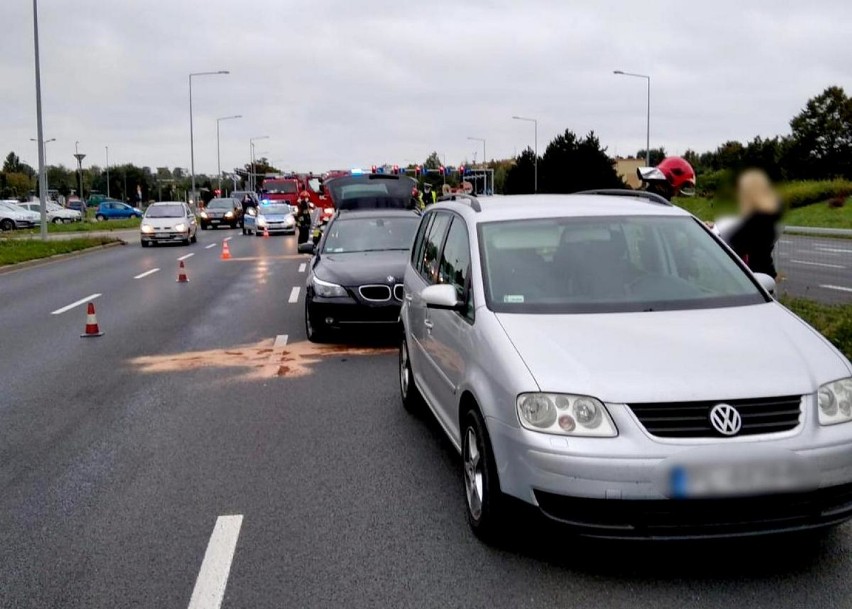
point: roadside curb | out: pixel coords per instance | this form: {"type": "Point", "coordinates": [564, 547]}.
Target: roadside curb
{"type": "Point", "coordinates": [20, 266]}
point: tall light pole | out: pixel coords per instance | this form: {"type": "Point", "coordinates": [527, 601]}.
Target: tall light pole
{"type": "Point", "coordinates": [535, 126]}
{"type": "Point", "coordinates": [480, 139]}
{"type": "Point", "coordinates": [218, 153]}
{"type": "Point", "coordinates": [46, 176]}
{"type": "Point", "coordinates": [252, 179]}
{"type": "Point", "coordinates": [42, 177]}
{"type": "Point", "coordinates": [107, 169]}
{"type": "Point", "coordinates": [191, 135]}
{"type": "Point", "coordinates": [648, 122]}
{"type": "Point", "coordinates": [484, 162]}
{"type": "Point", "coordinates": [80, 156]}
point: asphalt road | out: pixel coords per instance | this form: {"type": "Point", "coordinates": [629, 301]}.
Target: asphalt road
{"type": "Point", "coordinates": [194, 450]}
{"type": "Point", "coordinates": [815, 267]}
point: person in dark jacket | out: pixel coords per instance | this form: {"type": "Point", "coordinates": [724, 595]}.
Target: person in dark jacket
{"type": "Point", "coordinates": [754, 235]}
{"type": "Point", "coordinates": [303, 217]}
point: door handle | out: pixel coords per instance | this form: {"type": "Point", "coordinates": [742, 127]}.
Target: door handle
{"type": "Point", "coordinates": [429, 324]}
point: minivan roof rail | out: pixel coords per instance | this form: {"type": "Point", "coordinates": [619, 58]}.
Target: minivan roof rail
{"type": "Point", "coordinates": [458, 196]}
{"type": "Point", "coordinates": [624, 192]}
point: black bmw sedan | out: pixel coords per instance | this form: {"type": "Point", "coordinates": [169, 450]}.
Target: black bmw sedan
{"type": "Point", "coordinates": [357, 271]}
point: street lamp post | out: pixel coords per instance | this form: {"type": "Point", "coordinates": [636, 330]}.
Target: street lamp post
{"type": "Point", "coordinates": [42, 177]}
{"type": "Point", "coordinates": [191, 135]}
{"type": "Point", "coordinates": [252, 178]}
{"type": "Point", "coordinates": [484, 162]}
{"type": "Point", "coordinates": [46, 176]}
{"type": "Point", "coordinates": [218, 153]}
{"type": "Point", "coordinates": [535, 126]}
{"type": "Point", "coordinates": [648, 121]}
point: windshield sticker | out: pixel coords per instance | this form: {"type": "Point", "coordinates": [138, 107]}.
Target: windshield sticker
{"type": "Point", "coordinates": [513, 298]}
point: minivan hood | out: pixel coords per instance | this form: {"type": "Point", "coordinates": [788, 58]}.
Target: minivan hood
{"type": "Point", "coordinates": [710, 354]}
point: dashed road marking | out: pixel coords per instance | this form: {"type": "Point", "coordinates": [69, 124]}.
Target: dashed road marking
{"type": "Point", "coordinates": [213, 577]}
{"type": "Point", "coordinates": [302, 267]}
{"type": "Point", "coordinates": [187, 256]}
{"type": "Point", "coordinates": [212, 245]}
{"type": "Point", "coordinates": [227, 239]}
{"type": "Point", "coordinates": [146, 273]}
{"type": "Point", "coordinates": [294, 295]}
{"type": "Point", "coordinates": [822, 264]}
{"type": "Point", "coordinates": [75, 304]}
{"type": "Point", "coordinates": [833, 249]}
{"type": "Point", "coordinates": [280, 341]}
{"type": "Point", "coordinates": [839, 288]}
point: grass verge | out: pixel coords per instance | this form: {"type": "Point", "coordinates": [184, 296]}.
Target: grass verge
{"type": "Point", "coordinates": [13, 251]}
{"type": "Point", "coordinates": [832, 321]}
{"type": "Point", "coordinates": [89, 225]}
{"type": "Point", "coordinates": [820, 215]}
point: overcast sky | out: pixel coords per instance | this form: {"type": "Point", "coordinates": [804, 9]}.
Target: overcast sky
{"type": "Point", "coordinates": [349, 83]}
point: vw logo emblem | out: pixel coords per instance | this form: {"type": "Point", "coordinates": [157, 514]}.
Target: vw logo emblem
{"type": "Point", "coordinates": [726, 419]}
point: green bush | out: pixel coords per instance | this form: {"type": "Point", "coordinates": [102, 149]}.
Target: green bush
{"type": "Point", "coordinates": [799, 194]}
{"type": "Point", "coordinates": [832, 321]}
{"type": "Point", "coordinates": [716, 184]}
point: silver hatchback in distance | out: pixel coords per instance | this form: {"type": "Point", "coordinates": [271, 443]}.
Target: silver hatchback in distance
{"type": "Point", "coordinates": [609, 361]}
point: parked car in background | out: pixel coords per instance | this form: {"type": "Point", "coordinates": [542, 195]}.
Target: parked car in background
{"type": "Point", "coordinates": [55, 213]}
{"type": "Point", "coordinates": [115, 210]}
{"type": "Point", "coordinates": [14, 217]}
{"type": "Point", "coordinates": [168, 221]}
{"type": "Point", "coordinates": [585, 354]}
{"type": "Point", "coordinates": [75, 203]}
{"type": "Point", "coordinates": [273, 217]}
{"type": "Point", "coordinates": [355, 276]}
{"type": "Point", "coordinates": [221, 212]}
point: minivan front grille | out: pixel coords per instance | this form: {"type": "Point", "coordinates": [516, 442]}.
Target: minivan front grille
{"type": "Point", "coordinates": [692, 419]}
{"type": "Point", "coordinates": [376, 293]}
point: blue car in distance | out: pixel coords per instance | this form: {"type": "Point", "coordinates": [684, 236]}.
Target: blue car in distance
{"type": "Point", "coordinates": [116, 210]}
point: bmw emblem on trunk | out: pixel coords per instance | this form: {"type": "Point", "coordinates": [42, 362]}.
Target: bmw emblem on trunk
{"type": "Point", "coordinates": [726, 419]}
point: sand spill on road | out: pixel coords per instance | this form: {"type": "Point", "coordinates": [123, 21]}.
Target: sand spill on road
{"type": "Point", "coordinates": [257, 361]}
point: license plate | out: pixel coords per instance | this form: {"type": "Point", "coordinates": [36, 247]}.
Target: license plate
{"type": "Point", "coordinates": [162, 235]}
{"type": "Point", "coordinates": [214, 222]}
{"type": "Point", "coordinates": [737, 478]}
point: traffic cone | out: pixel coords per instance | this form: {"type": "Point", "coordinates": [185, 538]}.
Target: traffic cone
{"type": "Point", "coordinates": [266, 232]}
{"type": "Point", "coordinates": [226, 251]}
{"type": "Point", "coordinates": [92, 329]}
{"type": "Point", "coordinates": [182, 278]}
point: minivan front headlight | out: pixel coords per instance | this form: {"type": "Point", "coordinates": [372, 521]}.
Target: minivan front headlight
{"type": "Point", "coordinates": [565, 414]}
{"type": "Point", "coordinates": [835, 402]}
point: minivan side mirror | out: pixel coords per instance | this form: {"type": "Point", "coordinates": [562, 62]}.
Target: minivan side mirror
{"type": "Point", "coordinates": [766, 281]}
{"type": "Point", "coordinates": [306, 248]}
{"type": "Point", "coordinates": [442, 297]}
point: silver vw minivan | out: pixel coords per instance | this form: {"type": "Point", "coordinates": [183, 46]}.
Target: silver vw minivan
{"type": "Point", "coordinates": [610, 362]}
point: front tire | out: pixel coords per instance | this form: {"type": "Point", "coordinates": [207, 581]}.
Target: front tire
{"type": "Point", "coordinates": [194, 238]}
{"type": "Point", "coordinates": [57, 220]}
{"type": "Point", "coordinates": [485, 503]}
{"type": "Point", "coordinates": [315, 329]}
{"type": "Point", "coordinates": [412, 401]}
{"type": "Point", "coordinates": [6, 224]}
{"type": "Point", "coordinates": [100, 217]}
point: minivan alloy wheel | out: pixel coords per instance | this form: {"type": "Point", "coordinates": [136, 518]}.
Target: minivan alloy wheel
{"type": "Point", "coordinates": [473, 465]}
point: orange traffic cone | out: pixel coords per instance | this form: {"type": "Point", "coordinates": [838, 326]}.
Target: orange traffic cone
{"type": "Point", "coordinates": [266, 232]}
{"type": "Point", "coordinates": [226, 251]}
{"type": "Point", "coordinates": [92, 329]}
{"type": "Point", "coordinates": [182, 278]}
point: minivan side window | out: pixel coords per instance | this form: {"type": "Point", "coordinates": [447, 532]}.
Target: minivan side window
{"type": "Point", "coordinates": [419, 240]}
{"type": "Point", "coordinates": [432, 248]}
{"type": "Point", "coordinates": [455, 263]}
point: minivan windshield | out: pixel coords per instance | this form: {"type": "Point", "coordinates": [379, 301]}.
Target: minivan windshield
{"type": "Point", "coordinates": [165, 211]}
{"type": "Point", "coordinates": [611, 264]}
{"type": "Point", "coordinates": [352, 235]}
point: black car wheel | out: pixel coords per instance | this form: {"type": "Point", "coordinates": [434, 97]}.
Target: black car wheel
{"type": "Point", "coordinates": [57, 220]}
{"type": "Point", "coordinates": [7, 224]}
{"type": "Point", "coordinates": [100, 217]}
{"type": "Point", "coordinates": [314, 328]}
{"type": "Point", "coordinates": [412, 401]}
{"type": "Point", "coordinates": [486, 504]}
{"type": "Point", "coordinates": [204, 227]}
{"type": "Point", "coordinates": [144, 243]}
{"type": "Point", "coordinates": [194, 238]}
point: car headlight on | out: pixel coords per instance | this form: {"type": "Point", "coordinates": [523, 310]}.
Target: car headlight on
{"type": "Point", "coordinates": [324, 289]}
{"type": "Point", "coordinates": [564, 414]}
{"type": "Point", "coordinates": [147, 229]}
{"type": "Point", "coordinates": [835, 402]}
{"type": "Point", "coordinates": [229, 214]}
{"type": "Point", "coordinates": [204, 215]}
{"type": "Point", "coordinates": [180, 227]}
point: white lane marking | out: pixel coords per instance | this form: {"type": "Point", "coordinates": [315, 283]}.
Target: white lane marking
{"type": "Point", "coordinates": [833, 249]}
{"type": "Point", "coordinates": [146, 273]}
{"type": "Point", "coordinates": [828, 266]}
{"type": "Point", "coordinates": [187, 256]}
{"type": "Point", "coordinates": [75, 304]}
{"type": "Point", "coordinates": [783, 242]}
{"type": "Point", "coordinates": [210, 586]}
{"type": "Point", "coordinates": [302, 267]}
{"type": "Point", "coordinates": [294, 295]}
{"type": "Point", "coordinates": [207, 247]}
{"type": "Point", "coordinates": [280, 341]}
{"type": "Point", "coordinates": [840, 288]}
{"type": "Point", "coordinates": [227, 238]}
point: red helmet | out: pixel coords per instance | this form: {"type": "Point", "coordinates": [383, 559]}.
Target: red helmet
{"type": "Point", "coordinates": [414, 191]}
{"type": "Point", "coordinates": [675, 172]}
{"type": "Point", "coordinates": [304, 195]}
